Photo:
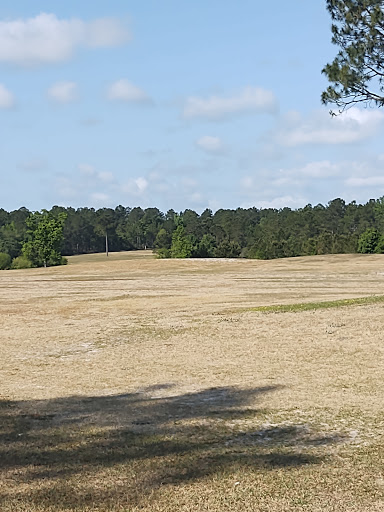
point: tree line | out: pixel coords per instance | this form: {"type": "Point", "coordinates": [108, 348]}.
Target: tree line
{"type": "Point", "coordinates": [41, 238]}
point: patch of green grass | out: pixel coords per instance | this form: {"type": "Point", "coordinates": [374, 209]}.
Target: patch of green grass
{"type": "Point", "coordinates": [309, 306]}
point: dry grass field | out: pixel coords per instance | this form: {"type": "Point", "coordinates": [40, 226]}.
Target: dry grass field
{"type": "Point", "coordinates": [135, 384]}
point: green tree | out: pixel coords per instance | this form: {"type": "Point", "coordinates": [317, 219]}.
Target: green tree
{"type": "Point", "coordinates": [181, 246]}
{"type": "Point", "coordinates": [228, 249]}
{"type": "Point", "coordinates": [5, 261]}
{"type": "Point", "coordinates": [379, 213]}
{"type": "Point", "coordinates": [163, 240]}
{"type": "Point", "coordinates": [11, 239]}
{"type": "Point", "coordinates": [21, 262]}
{"type": "Point", "coordinates": [380, 245]}
{"type": "Point", "coordinates": [368, 241]}
{"type": "Point", "coordinates": [106, 222]}
{"type": "Point", "coordinates": [13, 231]}
{"type": "Point", "coordinates": [45, 237]}
{"type": "Point", "coordinates": [163, 243]}
{"type": "Point", "coordinates": [205, 248]}
{"type": "Point", "coordinates": [150, 224]}
{"type": "Point", "coordinates": [357, 72]}
{"type": "Point", "coordinates": [133, 229]}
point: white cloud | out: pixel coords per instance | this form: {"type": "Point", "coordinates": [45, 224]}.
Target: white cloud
{"type": "Point", "coordinates": [353, 173]}
{"type": "Point", "coordinates": [135, 186]}
{"type": "Point", "coordinates": [282, 202]}
{"type": "Point", "coordinates": [369, 181]}
{"type": "Point", "coordinates": [263, 193]}
{"type": "Point", "coordinates": [33, 165]}
{"type": "Point", "coordinates": [292, 186]}
{"type": "Point", "coordinates": [87, 169]}
{"type": "Point", "coordinates": [322, 169]}
{"type": "Point", "coordinates": [105, 176]}
{"type": "Point", "coordinates": [197, 198]}
{"type": "Point", "coordinates": [320, 128]}
{"type": "Point", "coordinates": [100, 199]}
{"type": "Point", "coordinates": [312, 170]}
{"type": "Point", "coordinates": [365, 178]}
{"type": "Point", "coordinates": [247, 182]}
{"type": "Point", "coordinates": [171, 166]}
{"type": "Point", "coordinates": [141, 183]}
{"type": "Point", "coordinates": [211, 144]}
{"type": "Point", "coordinates": [66, 188]}
{"type": "Point", "coordinates": [215, 108]}
{"type": "Point", "coordinates": [48, 39]}
{"type": "Point", "coordinates": [99, 187]}
{"type": "Point", "coordinates": [7, 99]}
{"type": "Point", "coordinates": [106, 32]}
{"type": "Point", "coordinates": [314, 181]}
{"type": "Point", "coordinates": [188, 182]}
{"type": "Point", "coordinates": [123, 90]}
{"type": "Point", "coordinates": [63, 92]}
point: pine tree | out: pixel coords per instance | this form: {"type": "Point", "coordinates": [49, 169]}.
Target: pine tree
{"type": "Point", "coordinates": [357, 72]}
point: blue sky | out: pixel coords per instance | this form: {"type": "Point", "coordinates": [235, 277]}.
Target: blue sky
{"type": "Point", "coordinates": [176, 104]}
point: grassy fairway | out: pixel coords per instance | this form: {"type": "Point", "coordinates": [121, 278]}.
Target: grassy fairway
{"type": "Point", "coordinates": [135, 384]}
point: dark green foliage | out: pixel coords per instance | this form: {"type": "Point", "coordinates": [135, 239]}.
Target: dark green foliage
{"type": "Point", "coordinates": [45, 236]}
{"type": "Point", "coordinates": [163, 253]}
{"type": "Point", "coordinates": [163, 244]}
{"type": "Point", "coordinates": [106, 224]}
{"type": "Point", "coordinates": [228, 249]}
{"type": "Point", "coordinates": [150, 224]}
{"type": "Point", "coordinates": [368, 241]}
{"type": "Point", "coordinates": [380, 245]}
{"type": "Point", "coordinates": [252, 233]}
{"type": "Point", "coordinates": [139, 228]}
{"type": "Point", "coordinates": [378, 213]}
{"type": "Point", "coordinates": [5, 261]}
{"type": "Point", "coordinates": [80, 235]}
{"type": "Point", "coordinates": [356, 74]}
{"type": "Point", "coordinates": [10, 240]}
{"type": "Point", "coordinates": [163, 239]}
{"type": "Point", "coordinates": [206, 248]}
{"type": "Point", "coordinates": [12, 231]}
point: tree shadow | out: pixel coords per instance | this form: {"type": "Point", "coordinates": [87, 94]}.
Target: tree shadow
{"type": "Point", "coordinates": [118, 449]}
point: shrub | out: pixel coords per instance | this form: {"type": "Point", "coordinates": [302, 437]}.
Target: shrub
{"type": "Point", "coordinates": [5, 261]}
{"type": "Point", "coordinates": [21, 262]}
{"type": "Point", "coordinates": [205, 248]}
{"type": "Point", "coordinates": [163, 253]}
{"type": "Point", "coordinates": [380, 245]}
{"type": "Point", "coordinates": [368, 241]}
{"type": "Point", "coordinates": [163, 240]}
{"type": "Point", "coordinates": [228, 249]}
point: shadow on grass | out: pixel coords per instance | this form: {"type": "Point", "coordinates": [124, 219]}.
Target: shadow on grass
{"type": "Point", "coordinates": [112, 451]}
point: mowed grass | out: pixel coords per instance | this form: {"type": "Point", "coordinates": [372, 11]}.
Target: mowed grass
{"type": "Point", "coordinates": [309, 306]}
{"type": "Point", "coordinates": [136, 384]}
{"type": "Point", "coordinates": [112, 256]}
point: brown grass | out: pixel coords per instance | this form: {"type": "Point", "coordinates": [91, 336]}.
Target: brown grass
{"type": "Point", "coordinates": [136, 384]}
